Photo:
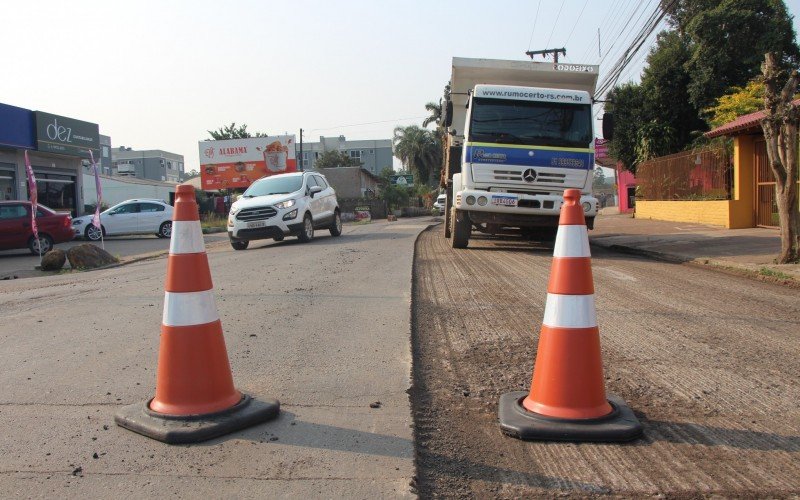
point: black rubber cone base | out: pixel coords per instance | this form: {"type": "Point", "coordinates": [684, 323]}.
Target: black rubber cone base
{"type": "Point", "coordinates": [516, 421]}
{"type": "Point", "coordinates": [174, 429]}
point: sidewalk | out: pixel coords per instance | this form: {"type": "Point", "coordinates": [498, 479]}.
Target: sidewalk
{"type": "Point", "coordinates": [751, 251]}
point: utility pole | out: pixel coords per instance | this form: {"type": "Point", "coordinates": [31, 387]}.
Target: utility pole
{"type": "Point", "coordinates": [544, 53]}
{"type": "Point", "coordinates": [301, 150]}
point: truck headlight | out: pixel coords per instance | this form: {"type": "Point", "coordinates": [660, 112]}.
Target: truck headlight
{"type": "Point", "coordinates": [482, 201]}
{"type": "Point", "coordinates": [470, 200]}
{"type": "Point", "coordinates": [285, 204]}
{"type": "Point", "coordinates": [587, 206]}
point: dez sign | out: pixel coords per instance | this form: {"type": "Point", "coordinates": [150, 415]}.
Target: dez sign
{"type": "Point", "coordinates": [66, 136]}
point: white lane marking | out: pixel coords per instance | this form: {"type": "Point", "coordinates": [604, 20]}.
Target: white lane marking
{"type": "Point", "coordinates": [615, 274]}
{"type": "Point", "coordinates": [189, 308]}
{"type": "Point", "coordinates": [187, 237]}
{"type": "Point", "coordinates": [572, 241]}
{"type": "Point", "coordinates": [570, 311]}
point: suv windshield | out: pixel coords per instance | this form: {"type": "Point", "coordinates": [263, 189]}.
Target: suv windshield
{"type": "Point", "coordinates": [533, 123]}
{"type": "Point", "coordinates": [274, 185]}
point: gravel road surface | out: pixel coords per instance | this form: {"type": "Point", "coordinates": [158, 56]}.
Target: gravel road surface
{"type": "Point", "coordinates": [710, 362]}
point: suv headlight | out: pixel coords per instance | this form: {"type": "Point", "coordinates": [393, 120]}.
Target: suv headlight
{"type": "Point", "coordinates": [285, 204]}
{"type": "Point", "coordinates": [234, 211]}
{"type": "Point", "coordinates": [77, 222]}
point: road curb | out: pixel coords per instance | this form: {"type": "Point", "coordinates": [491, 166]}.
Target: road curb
{"type": "Point", "coordinates": [724, 266]}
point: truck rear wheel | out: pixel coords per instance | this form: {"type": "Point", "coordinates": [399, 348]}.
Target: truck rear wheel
{"type": "Point", "coordinates": [461, 228]}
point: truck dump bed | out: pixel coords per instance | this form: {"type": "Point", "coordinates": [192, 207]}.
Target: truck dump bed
{"type": "Point", "coordinates": [468, 72]}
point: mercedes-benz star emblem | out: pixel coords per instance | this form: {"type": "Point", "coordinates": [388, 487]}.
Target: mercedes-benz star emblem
{"type": "Point", "coordinates": [529, 175]}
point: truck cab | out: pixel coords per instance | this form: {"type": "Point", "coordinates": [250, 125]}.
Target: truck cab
{"type": "Point", "coordinates": [514, 149]}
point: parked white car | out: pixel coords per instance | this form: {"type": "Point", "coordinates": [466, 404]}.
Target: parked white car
{"type": "Point", "coordinates": [282, 205]}
{"type": "Point", "coordinates": [139, 216]}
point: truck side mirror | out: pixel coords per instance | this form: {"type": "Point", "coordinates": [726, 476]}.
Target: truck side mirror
{"type": "Point", "coordinates": [448, 114]}
{"type": "Point", "coordinates": [608, 126]}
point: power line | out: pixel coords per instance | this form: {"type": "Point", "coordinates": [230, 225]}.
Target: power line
{"type": "Point", "coordinates": [613, 8]}
{"type": "Point", "coordinates": [535, 18]}
{"type": "Point", "coordinates": [576, 24]}
{"type": "Point", "coordinates": [555, 23]}
{"type": "Point", "coordinates": [368, 123]}
{"type": "Point", "coordinates": [629, 23]}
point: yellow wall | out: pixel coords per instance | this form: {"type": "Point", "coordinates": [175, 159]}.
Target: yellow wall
{"type": "Point", "coordinates": [702, 212]}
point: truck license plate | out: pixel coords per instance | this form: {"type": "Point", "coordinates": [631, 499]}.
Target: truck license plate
{"type": "Point", "coordinates": [506, 201]}
{"type": "Point", "coordinates": [257, 223]}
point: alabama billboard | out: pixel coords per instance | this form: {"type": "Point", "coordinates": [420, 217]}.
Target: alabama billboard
{"type": "Point", "coordinates": [236, 163]}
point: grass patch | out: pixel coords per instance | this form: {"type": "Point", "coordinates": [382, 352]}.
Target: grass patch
{"type": "Point", "coordinates": [765, 271]}
{"type": "Point", "coordinates": [212, 221]}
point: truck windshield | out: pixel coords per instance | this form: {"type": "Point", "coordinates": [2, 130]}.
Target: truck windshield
{"type": "Point", "coordinates": [531, 122]}
{"type": "Point", "coordinates": [274, 185]}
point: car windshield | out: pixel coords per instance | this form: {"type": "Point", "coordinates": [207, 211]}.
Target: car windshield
{"type": "Point", "coordinates": [533, 123]}
{"type": "Point", "coordinates": [274, 185]}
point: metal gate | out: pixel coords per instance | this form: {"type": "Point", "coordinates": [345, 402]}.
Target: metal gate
{"type": "Point", "coordinates": [766, 208]}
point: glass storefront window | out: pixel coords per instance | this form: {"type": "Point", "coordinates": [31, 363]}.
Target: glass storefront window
{"type": "Point", "coordinates": [56, 191]}
{"type": "Point", "coordinates": [7, 185]}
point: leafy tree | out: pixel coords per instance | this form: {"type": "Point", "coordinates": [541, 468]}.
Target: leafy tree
{"type": "Point", "coordinates": [781, 125]}
{"type": "Point", "coordinates": [191, 174]}
{"type": "Point", "coordinates": [336, 159]}
{"type": "Point", "coordinates": [599, 181]}
{"type": "Point", "coordinates": [394, 196]}
{"type": "Point", "coordinates": [233, 132]}
{"type": "Point", "coordinates": [739, 101]}
{"type": "Point", "coordinates": [420, 151]}
{"type": "Point", "coordinates": [627, 104]}
{"type": "Point", "coordinates": [728, 39]}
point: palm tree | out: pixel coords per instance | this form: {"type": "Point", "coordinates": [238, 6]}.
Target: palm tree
{"type": "Point", "coordinates": [420, 151]}
{"type": "Point", "coordinates": [436, 113]}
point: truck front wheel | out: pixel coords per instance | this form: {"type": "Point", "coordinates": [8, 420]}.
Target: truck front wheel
{"type": "Point", "coordinates": [461, 228]}
{"type": "Point", "coordinates": [448, 214]}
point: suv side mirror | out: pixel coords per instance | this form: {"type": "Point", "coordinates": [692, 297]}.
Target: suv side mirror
{"type": "Point", "coordinates": [608, 126]}
{"type": "Point", "coordinates": [314, 190]}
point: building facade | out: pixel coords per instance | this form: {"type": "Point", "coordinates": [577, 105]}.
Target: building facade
{"type": "Point", "coordinates": [57, 147]}
{"type": "Point", "coordinates": [153, 164]}
{"type": "Point", "coordinates": [351, 182]}
{"type": "Point", "coordinates": [374, 154]}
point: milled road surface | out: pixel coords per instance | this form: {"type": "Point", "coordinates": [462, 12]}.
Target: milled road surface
{"type": "Point", "coordinates": [324, 327]}
{"type": "Point", "coordinates": [710, 362]}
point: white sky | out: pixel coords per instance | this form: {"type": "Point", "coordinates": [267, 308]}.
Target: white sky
{"type": "Point", "coordinates": [159, 74]}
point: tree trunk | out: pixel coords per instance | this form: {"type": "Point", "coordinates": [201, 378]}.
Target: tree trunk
{"type": "Point", "coordinates": [780, 127]}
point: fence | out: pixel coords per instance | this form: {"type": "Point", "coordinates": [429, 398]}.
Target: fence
{"type": "Point", "coordinates": [705, 174]}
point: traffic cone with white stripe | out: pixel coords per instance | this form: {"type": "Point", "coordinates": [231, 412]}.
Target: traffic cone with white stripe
{"type": "Point", "coordinates": [567, 400]}
{"type": "Point", "coordinates": [195, 398]}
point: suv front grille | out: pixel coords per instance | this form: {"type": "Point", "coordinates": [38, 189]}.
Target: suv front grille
{"type": "Point", "coordinates": [259, 213]}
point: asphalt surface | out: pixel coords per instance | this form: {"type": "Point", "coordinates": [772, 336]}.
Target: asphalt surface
{"type": "Point", "coordinates": [323, 327]}
{"type": "Point", "coordinates": [710, 363]}
{"type": "Point", "coordinates": [119, 246]}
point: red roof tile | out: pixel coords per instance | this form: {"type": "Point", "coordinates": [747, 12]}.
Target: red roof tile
{"type": "Point", "coordinates": [744, 122]}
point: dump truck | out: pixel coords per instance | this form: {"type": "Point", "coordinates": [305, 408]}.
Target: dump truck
{"type": "Point", "coordinates": [518, 134]}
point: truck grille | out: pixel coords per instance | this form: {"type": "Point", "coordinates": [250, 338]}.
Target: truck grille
{"type": "Point", "coordinates": [258, 213]}
{"type": "Point", "coordinates": [516, 176]}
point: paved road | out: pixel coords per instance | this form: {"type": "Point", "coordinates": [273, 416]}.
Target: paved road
{"type": "Point", "coordinates": [120, 246]}
{"type": "Point", "coordinates": [709, 361]}
{"type": "Point", "coordinates": [323, 327]}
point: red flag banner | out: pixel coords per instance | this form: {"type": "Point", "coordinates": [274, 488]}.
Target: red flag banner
{"type": "Point", "coordinates": [33, 194]}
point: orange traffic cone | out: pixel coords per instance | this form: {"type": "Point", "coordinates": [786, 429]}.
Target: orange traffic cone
{"type": "Point", "coordinates": [567, 400]}
{"type": "Point", "coordinates": [195, 398]}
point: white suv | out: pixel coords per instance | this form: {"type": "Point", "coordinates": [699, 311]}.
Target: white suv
{"type": "Point", "coordinates": [285, 204]}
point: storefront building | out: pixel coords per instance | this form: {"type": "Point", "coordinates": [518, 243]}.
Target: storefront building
{"type": "Point", "coordinates": [56, 145]}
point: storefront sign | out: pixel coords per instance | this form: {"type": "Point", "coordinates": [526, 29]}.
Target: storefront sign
{"type": "Point", "coordinates": [66, 136]}
{"type": "Point", "coordinates": [236, 163]}
{"type": "Point", "coordinates": [16, 127]}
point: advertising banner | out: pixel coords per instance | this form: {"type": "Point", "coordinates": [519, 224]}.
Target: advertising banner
{"type": "Point", "coordinates": [236, 163]}
{"type": "Point", "coordinates": [402, 180]}
{"type": "Point", "coordinates": [362, 214]}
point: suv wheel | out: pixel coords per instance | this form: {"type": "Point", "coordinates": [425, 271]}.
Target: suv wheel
{"type": "Point", "coordinates": [307, 233]}
{"type": "Point", "coordinates": [240, 245]}
{"type": "Point", "coordinates": [336, 227]}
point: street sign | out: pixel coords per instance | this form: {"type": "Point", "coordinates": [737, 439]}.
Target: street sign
{"type": "Point", "coordinates": [402, 180]}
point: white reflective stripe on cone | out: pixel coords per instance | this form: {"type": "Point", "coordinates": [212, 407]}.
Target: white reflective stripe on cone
{"type": "Point", "coordinates": [571, 241]}
{"type": "Point", "coordinates": [189, 308]}
{"type": "Point", "coordinates": [570, 311]}
{"type": "Point", "coordinates": [187, 237]}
